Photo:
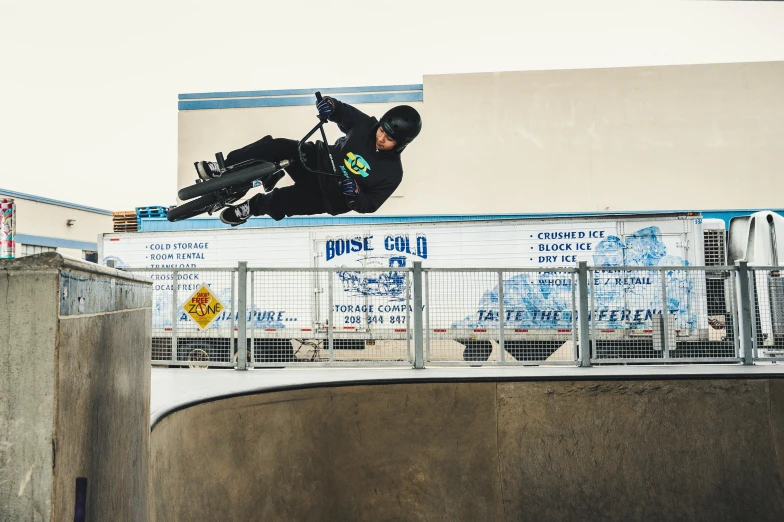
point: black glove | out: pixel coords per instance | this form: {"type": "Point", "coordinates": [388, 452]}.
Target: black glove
{"type": "Point", "coordinates": [350, 187]}
{"type": "Point", "coordinates": [326, 107]}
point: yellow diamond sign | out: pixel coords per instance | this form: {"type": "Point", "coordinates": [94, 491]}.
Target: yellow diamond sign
{"type": "Point", "coordinates": [203, 307]}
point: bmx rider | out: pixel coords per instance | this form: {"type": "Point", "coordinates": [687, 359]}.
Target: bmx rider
{"type": "Point", "coordinates": [367, 157]}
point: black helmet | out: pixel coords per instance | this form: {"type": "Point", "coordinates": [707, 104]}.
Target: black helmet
{"type": "Point", "coordinates": [402, 124]}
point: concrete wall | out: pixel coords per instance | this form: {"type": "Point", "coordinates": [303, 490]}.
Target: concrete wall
{"type": "Point", "coordinates": [74, 389]}
{"type": "Point", "coordinates": [621, 450]}
{"type": "Point", "coordinates": [639, 138]}
{"type": "Point", "coordinates": [28, 335]}
{"type": "Point", "coordinates": [644, 138]}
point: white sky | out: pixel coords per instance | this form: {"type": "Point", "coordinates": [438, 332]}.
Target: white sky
{"type": "Point", "coordinates": [88, 88]}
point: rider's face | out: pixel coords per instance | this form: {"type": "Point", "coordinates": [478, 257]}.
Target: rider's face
{"type": "Point", "coordinates": [384, 142]}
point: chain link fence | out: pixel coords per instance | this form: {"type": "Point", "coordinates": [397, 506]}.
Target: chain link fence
{"type": "Point", "coordinates": [509, 316]}
{"type": "Point", "coordinates": [665, 314]}
{"type": "Point", "coordinates": [466, 316]}
{"type": "Point", "coordinates": [201, 327]}
{"type": "Point", "coordinates": [330, 316]}
{"type": "Point", "coordinates": [767, 306]}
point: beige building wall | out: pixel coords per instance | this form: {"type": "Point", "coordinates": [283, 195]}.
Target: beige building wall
{"type": "Point", "coordinates": [640, 138]}
{"type": "Point", "coordinates": [41, 222]}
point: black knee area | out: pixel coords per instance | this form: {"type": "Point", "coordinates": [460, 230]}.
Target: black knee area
{"type": "Point", "coordinates": [259, 205]}
{"type": "Point", "coordinates": [249, 152]}
{"type": "Point", "coordinates": [264, 205]}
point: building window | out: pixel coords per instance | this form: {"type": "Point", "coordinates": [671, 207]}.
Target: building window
{"type": "Point", "coordinates": [92, 257]}
{"type": "Point", "coordinates": [31, 250]}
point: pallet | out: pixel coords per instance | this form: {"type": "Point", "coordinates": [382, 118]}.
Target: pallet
{"type": "Point", "coordinates": [119, 227]}
{"type": "Point", "coordinates": [125, 221]}
{"type": "Point", "coordinates": [152, 212]}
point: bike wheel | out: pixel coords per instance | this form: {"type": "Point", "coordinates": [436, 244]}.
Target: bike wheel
{"type": "Point", "coordinates": [233, 179]}
{"type": "Point", "coordinates": [192, 208]}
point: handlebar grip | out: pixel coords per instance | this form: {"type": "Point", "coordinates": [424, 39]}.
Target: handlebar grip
{"type": "Point", "coordinates": [318, 100]}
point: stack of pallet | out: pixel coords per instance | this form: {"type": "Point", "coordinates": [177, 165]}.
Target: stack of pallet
{"type": "Point", "coordinates": [150, 212]}
{"type": "Point", "coordinates": [125, 221]}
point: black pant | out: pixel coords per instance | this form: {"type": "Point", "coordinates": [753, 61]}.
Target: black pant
{"type": "Point", "coordinates": [303, 198]}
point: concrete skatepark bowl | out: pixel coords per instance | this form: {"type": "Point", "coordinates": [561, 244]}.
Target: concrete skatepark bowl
{"type": "Point", "coordinates": [408, 445]}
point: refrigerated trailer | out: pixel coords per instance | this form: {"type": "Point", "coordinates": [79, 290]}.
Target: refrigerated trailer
{"type": "Point", "coordinates": [358, 277]}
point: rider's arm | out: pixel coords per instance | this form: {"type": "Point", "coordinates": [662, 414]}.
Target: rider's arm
{"type": "Point", "coordinates": [346, 116]}
{"type": "Point", "coordinates": [367, 202]}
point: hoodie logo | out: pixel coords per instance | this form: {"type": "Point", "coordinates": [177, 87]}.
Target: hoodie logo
{"type": "Point", "coordinates": [356, 165]}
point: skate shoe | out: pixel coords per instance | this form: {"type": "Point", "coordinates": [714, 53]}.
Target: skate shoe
{"type": "Point", "coordinates": [236, 215]}
{"type": "Point", "coordinates": [207, 169]}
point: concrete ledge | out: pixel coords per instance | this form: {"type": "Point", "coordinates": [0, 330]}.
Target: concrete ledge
{"type": "Point", "coordinates": [176, 389]}
{"type": "Point", "coordinates": [74, 389]}
{"type": "Point", "coordinates": [55, 261]}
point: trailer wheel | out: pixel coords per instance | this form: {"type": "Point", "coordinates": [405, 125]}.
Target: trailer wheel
{"type": "Point", "coordinates": [476, 350]}
{"type": "Point", "coordinates": [248, 357]}
{"type": "Point", "coordinates": [198, 355]}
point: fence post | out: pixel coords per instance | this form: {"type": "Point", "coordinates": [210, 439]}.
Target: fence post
{"type": "Point", "coordinates": [233, 334]}
{"type": "Point", "coordinates": [744, 312]}
{"type": "Point", "coordinates": [252, 331]}
{"type": "Point", "coordinates": [175, 315]}
{"type": "Point", "coordinates": [419, 351]}
{"type": "Point", "coordinates": [242, 315]}
{"type": "Point", "coordinates": [582, 313]}
{"type": "Point", "coordinates": [665, 316]}
{"type": "Point", "coordinates": [501, 318]}
{"type": "Point", "coordinates": [573, 282]}
{"type": "Point", "coordinates": [409, 329]}
{"type": "Point", "coordinates": [330, 317]}
{"type": "Point", "coordinates": [427, 316]}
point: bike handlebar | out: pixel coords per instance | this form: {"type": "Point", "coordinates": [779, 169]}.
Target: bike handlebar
{"type": "Point", "coordinates": [320, 127]}
{"type": "Point", "coordinates": [318, 100]}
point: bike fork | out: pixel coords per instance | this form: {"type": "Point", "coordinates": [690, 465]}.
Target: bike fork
{"type": "Point", "coordinates": [282, 164]}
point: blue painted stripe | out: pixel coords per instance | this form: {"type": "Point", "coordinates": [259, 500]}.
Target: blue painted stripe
{"type": "Point", "coordinates": [205, 223]}
{"type": "Point", "coordinates": [242, 103]}
{"type": "Point", "coordinates": [298, 92]}
{"type": "Point", "coordinates": [39, 199]}
{"type": "Point", "coordinates": [55, 242]}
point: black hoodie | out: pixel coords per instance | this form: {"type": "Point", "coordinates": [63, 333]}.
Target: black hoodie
{"type": "Point", "coordinates": [378, 173]}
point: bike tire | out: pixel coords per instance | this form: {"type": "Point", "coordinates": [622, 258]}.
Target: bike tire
{"type": "Point", "coordinates": [242, 177]}
{"type": "Point", "coordinates": [192, 208]}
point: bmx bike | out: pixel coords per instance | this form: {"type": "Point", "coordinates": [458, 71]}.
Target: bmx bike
{"type": "Point", "coordinates": [236, 180]}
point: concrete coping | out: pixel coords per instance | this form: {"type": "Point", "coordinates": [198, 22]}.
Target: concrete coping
{"type": "Point", "coordinates": [55, 261]}
{"type": "Point", "coordinates": [173, 389]}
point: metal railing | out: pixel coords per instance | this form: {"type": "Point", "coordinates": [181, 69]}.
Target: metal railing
{"type": "Point", "coordinates": [766, 304]}
{"type": "Point", "coordinates": [415, 316]}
